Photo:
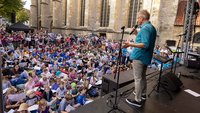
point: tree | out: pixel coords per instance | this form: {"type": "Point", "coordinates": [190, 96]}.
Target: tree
{"type": "Point", "coordinates": [22, 16]}
{"type": "Point", "coordinates": [8, 8]}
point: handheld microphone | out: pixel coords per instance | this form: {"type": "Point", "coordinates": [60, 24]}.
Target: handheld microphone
{"type": "Point", "coordinates": [135, 27]}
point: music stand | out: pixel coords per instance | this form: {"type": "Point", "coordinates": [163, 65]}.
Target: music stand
{"type": "Point", "coordinates": [117, 72]}
{"type": "Point", "coordinates": [177, 51]}
{"type": "Point", "coordinates": [174, 57]}
{"type": "Point", "coordinates": [156, 88]}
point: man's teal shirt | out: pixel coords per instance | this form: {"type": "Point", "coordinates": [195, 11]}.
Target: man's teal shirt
{"type": "Point", "coordinates": [147, 36]}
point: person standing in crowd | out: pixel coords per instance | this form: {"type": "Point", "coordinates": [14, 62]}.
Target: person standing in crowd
{"type": "Point", "coordinates": [141, 56]}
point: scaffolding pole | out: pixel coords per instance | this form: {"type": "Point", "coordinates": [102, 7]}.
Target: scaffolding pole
{"type": "Point", "coordinates": [188, 29]}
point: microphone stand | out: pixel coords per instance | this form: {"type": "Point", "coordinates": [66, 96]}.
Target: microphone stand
{"type": "Point", "coordinates": [117, 72]}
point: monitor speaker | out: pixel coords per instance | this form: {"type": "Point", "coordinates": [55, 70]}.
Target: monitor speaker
{"type": "Point", "coordinates": [171, 82]}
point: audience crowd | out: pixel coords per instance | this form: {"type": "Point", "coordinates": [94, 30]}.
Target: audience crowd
{"type": "Point", "coordinates": [47, 72]}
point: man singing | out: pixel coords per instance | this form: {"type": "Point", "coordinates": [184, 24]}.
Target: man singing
{"type": "Point", "coordinates": [141, 56]}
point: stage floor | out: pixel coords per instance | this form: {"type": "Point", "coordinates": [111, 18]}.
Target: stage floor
{"type": "Point", "coordinates": [182, 101]}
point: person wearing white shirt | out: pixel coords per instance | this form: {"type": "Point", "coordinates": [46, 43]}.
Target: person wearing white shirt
{"type": "Point", "coordinates": [46, 73]}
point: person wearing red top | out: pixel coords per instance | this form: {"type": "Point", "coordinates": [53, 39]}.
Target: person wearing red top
{"type": "Point", "coordinates": [67, 40]}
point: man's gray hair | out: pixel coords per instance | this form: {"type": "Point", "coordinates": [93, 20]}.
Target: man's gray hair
{"type": "Point", "coordinates": [145, 14]}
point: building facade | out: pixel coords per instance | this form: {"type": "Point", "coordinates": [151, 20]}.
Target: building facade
{"type": "Point", "coordinates": [105, 16]}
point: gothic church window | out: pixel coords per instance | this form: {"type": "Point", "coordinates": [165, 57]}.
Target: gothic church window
{"type": "Point", "coordinates": [133, 10]}
{"type": "Point", "coordinates": [105, 13]}
{"type": "Point", "coordinates": [82, 18]}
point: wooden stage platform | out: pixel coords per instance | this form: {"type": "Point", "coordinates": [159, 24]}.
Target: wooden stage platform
{"type": "Point", "coordinates": [182, 101]}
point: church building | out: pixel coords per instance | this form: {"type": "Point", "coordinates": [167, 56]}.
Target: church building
{"type": "Point", "coordinates": [106, 17]}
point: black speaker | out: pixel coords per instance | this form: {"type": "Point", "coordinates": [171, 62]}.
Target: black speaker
{"type": "Point", "coordinates": [193, 64]}
{"type": "Point", "coordinates": [109, 84]}
{"type": "Point", "coordinates": [171, 42]}
{"type": "Point", "coordinates": [171, 82]}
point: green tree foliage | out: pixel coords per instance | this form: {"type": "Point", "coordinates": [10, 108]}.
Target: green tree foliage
{"type": "Point", "coordinates": [22, 16]}
{"type": "Point", "coordinates": [8, 7]}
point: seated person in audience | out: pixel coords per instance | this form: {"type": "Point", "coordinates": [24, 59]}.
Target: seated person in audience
{"type": "Point", "coordinates": [73, 91]}
{"type": "Point", "coordinates": [19, 80]}
{"type": "Point", "coordinates": [163, 51]}
{"type": "Point", "coordinates": [25, 52]}
{"type": "Point", "coordinates": [17, 70]}
{"type": "Point", "coordinates": [10, 56]}
{"type": "Point", "coordinates": [5, 82]}
{"type": "Point", "coordinates": [93, 79]}
{"type": "Point", "coordinates": [46, 73]}
{"type": "Point", "coordinates": [45, 59]}
{"type": "Point", "coordinates": [45, 81]}
{"type": "Point", "coordinates": [55, 66]}
{"type": "Point", "coordinates": [79, 75]}
{"type": "Point", "coordinates": [23, 108]}
{"type": "Point", "coordinates": [17, 53]}
{"type": "Point", "coordinates": [85, 82]}
{"type": "Point", "coordinates": [29, 84]}
{"type": "Point", "coordinates": [68, 100]}
{"type": "Point", "coordinates": [60, 92]}
{"type": "Point", "coordinates": [80, 66]}
{"type": "Point", "coordinates": [165, 55]}
{"type": "Point", "coordinates": [35, 60]}
{"type": "Point", "coordinates": [31, 98]}
{"type": "Point", "coordinates": [90, 71]}
{"type": "Point", "coordinates": [157, 50]}
{"type": "Point", "coordinates": [55, 84]}
{"type": "Point", "coordinates": [26, 60]}
{"type": "Point", "coordinates": [58, 74]}
{"type": "Point", "coordinates": [72, 74]}
{"type": "Point", "coordinates": [74, 65]}
{"type": "Point", "coordinates": [10, 101]}
{"type": "Point", "coordinates": [16, 62]}
{"type": "Point", "coordinates": [81, 98]}
{"type": "Point", "coordinates": [7, 72]}
{"type": "Point", "coordinates": [99, 73]}
{"type": "Point", "coordinates": [47, 94]}
{"type": "Point", "coordinates": [34, 76]}
{"type": "Point", "coordinates": [43, 107]}
{"type": "Point", "coordinates": [109, 70]}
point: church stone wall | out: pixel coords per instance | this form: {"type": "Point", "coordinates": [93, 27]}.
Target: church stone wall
{"type": "Point", "coordinates": [33, 14]}
{"type": "Point", "coordinates": [52, 16]}
{"type": "Point", "coordinates": [167, 30]}
{"type": "Point", "coordinates": [45, 14]}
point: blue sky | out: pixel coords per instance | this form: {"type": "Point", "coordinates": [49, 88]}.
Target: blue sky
{"type": "Point", "coordinates": [28, 3]}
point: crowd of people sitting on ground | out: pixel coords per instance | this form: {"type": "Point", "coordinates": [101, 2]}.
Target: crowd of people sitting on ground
{"type": "Point", "coordinates": [47, 72]}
